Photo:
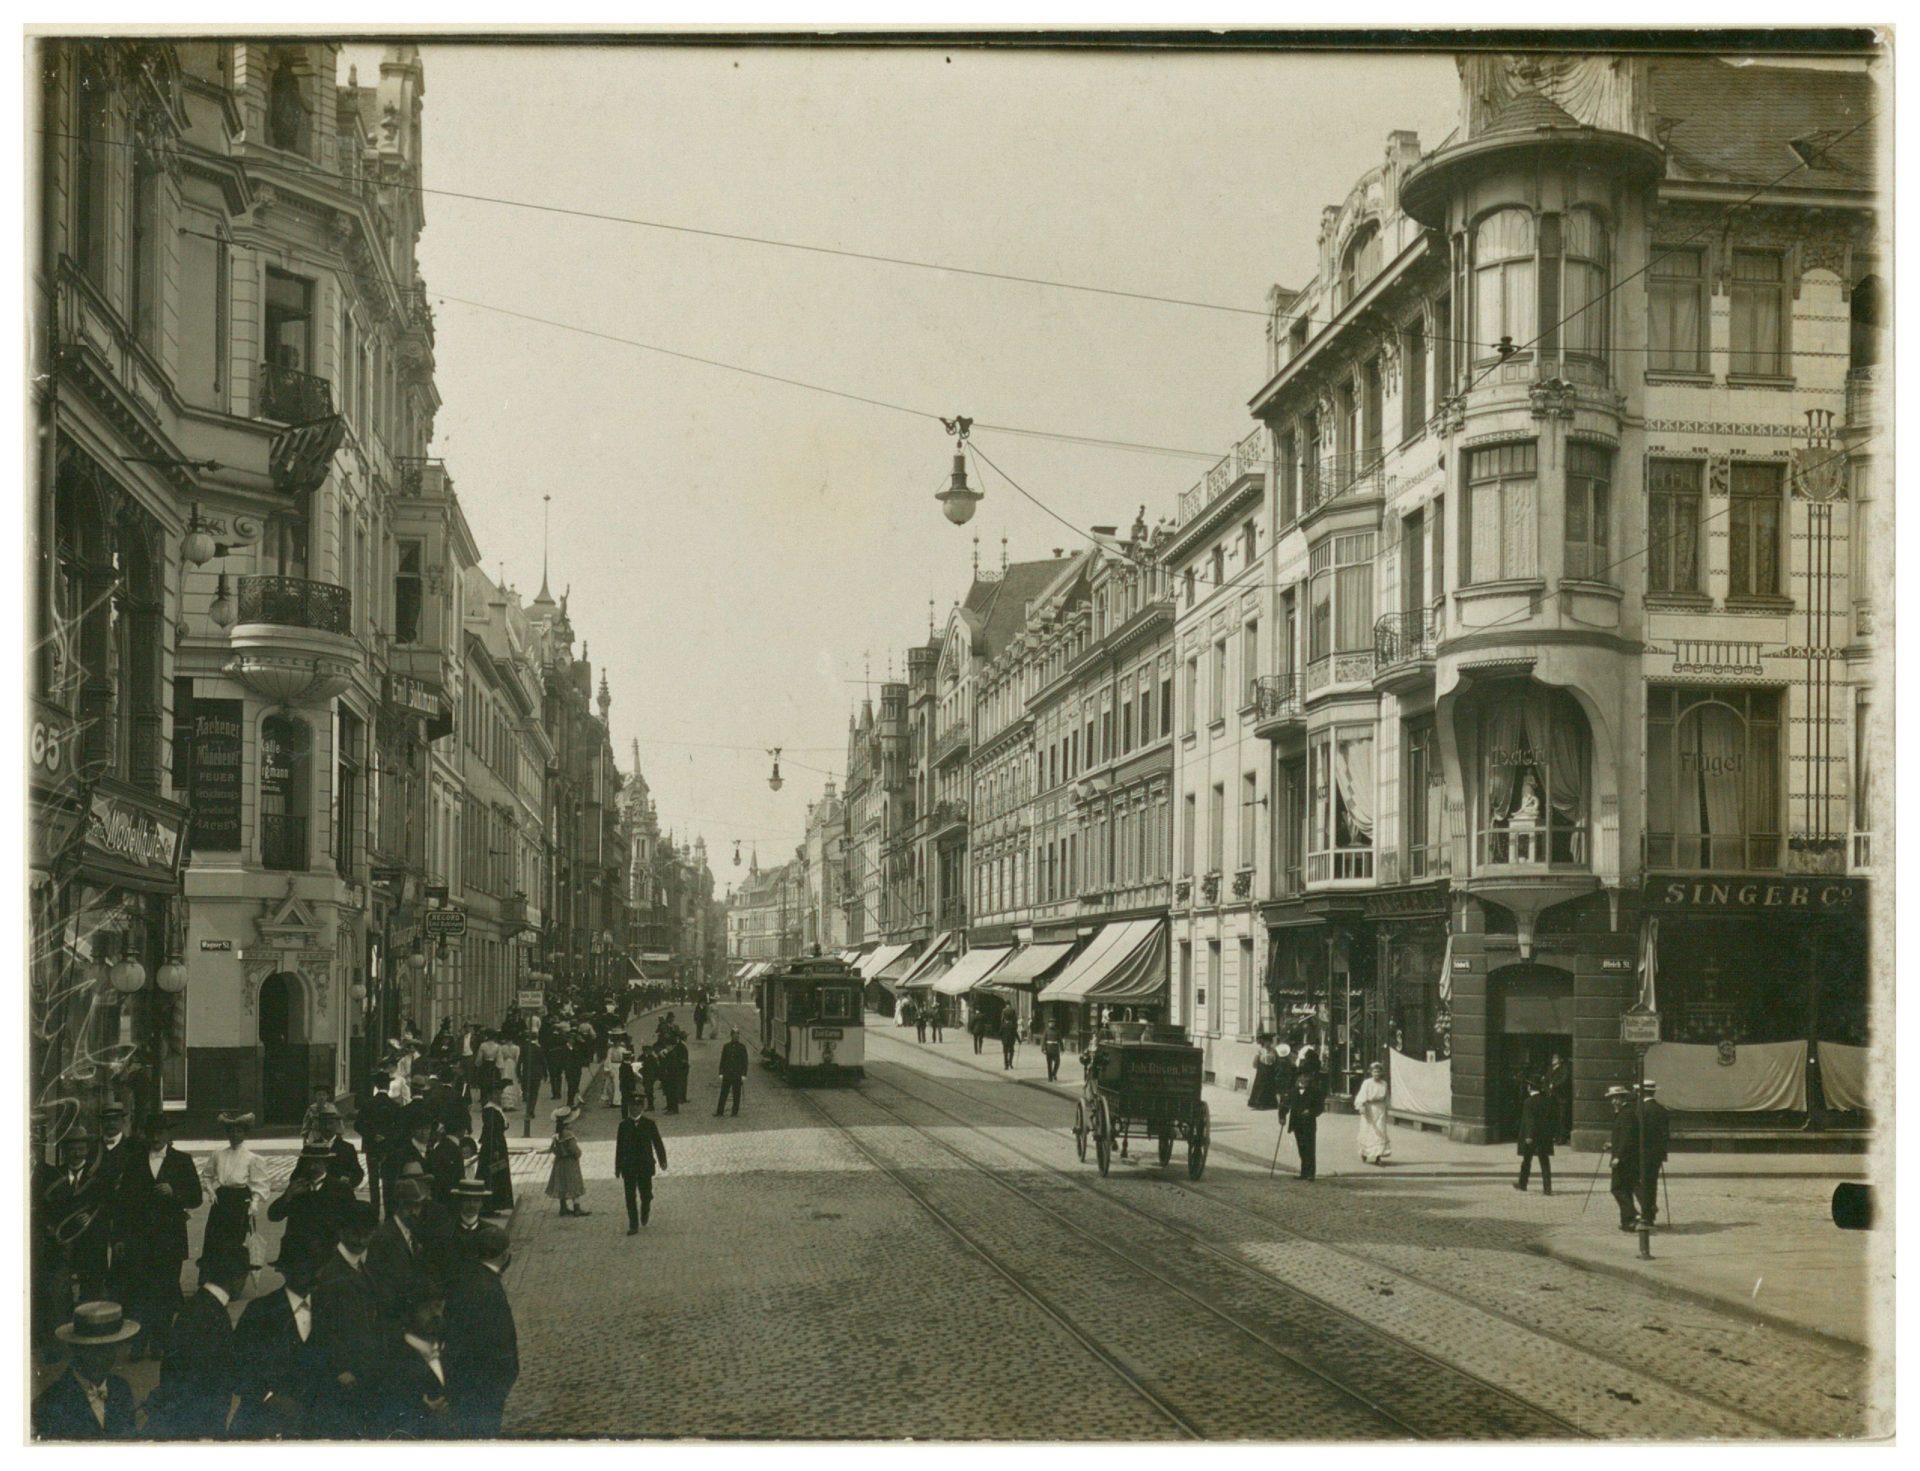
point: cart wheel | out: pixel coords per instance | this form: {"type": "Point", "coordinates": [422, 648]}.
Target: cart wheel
{"type": "Point", "coordinates": [1103, 1137]}
{"type": "Point", "coordinates": [1166, 1143]}
{"type": "Point", "coordinates": [1080, 1129]}
{"type": "Point", "coordinates": [1197, 1136]}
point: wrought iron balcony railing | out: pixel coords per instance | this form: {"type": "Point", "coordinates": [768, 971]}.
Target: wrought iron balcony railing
{"type": "Point", "coordinates": [1401, 639]}
{"type": "Point", "coordinates": [296, 602]}
{"type": "Point", "coordinates": [283, 842]}
{"type": "Point", "coordinates": [1336, 476]}
{"type": "Point", "coordinates": [1275, 697]}
{"type": "Point", "coordinates": [288, 396]}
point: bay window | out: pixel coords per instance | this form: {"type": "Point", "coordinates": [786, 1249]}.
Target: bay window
{"type": "Point", "coordinates": [1713, 778]}
{"type": "Point", "coordinates": [1533, 798]}
{"type": "Point", "coordinates": [1340, 592]}
{"type": "Point", "coordinates": [1502, 501]}
{"type": "Point", "coordinates": [1503, 282]}
{"type": "Point", "coordinates": [1583, 285]}
{"type": "Point", "coordinates": [1341, 804]}
{"type": "Point", "coordinates": [1589, 506]}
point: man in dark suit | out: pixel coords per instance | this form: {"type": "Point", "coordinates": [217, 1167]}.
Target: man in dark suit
{"type": "Point", "coordinates": [312, 1205]}
{"type": "Point", "coordinates": [328, 1126]}
{"type": "Point", "coordinates": [417, 1388]}
{"type": "Point", "coordinates": [445, 1166]}
{"type": "Point", "coordinates": [1009, 1036]}
{"type": "Point", "coordinates": [674, 1067]}
{"type": "Point", "coordinates": [1309, 1100]}
{"type": "Point", "coordinates": [557, 1049]}
{"type": "Point", "coordinates": [977, 1025]}
{"type": "Point", "coordinates": [89, 1401]}
{"type": "Point", "coordinates": [412, 1149]}
{"type": "Point", "coordinates": [397, 1255]}
{"type": "Point", "coordinates": [733, 1072]}
{"type": "Point", "coordinates": [454, 1238]}
{"type": "Point", "coordinates": [635, 1150]}
{"type": "Point", "coordinates": [76, 1212]}
{"type": "Point", "coordinates": [482, 1345]}
{"type": "Point", "coordinates": [116, 1149]}
{"type": "Point", "coordinates": [347, 1332]}
{"type": "Point", "coordinates": [1659, 1138]}
{"type": "Point", "coordinates": [157, 1192]}
{"type": "Point", "coordinates": [1539, 1122]}
{"type": "Point", "coordinates": [280, 1368]}
{"type": "Point", "coordinates": [1559, 1091]}
{"type": "Point", "coordinates": [199, 1374]}
{"type": "Point", "coordinates": [1624, 1146]}
{"type": "Point", "coordinates": [380, 1130]}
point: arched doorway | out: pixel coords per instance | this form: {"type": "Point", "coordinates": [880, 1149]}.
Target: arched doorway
{"type": "Point", "coordinates": [1533, 1012]}
{"type": "Point", "coordinates": [283, 1049]}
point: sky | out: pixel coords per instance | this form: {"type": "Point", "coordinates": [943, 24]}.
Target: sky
{"type": "Point", "coordinates": [741, 553]}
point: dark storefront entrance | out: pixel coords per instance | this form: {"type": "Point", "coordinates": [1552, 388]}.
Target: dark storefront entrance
{"type": "Point", "coordinates": [1533, 1008]}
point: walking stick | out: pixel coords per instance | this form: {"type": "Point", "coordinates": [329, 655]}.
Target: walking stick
{"type": "Point", "coordinates": [1276, 1153]}
{"type": "Point", "coordinates": [1667, 1195]}
{"type": "Point", "coordinates": [1599, 1160]}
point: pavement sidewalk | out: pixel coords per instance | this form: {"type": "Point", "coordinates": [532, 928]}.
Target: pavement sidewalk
{"type": "Point", "coordinates": [1745, 1233]}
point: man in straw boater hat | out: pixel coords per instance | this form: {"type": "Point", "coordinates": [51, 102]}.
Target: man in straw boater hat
{"type": "Point", "coordinates": [89, 1401]}
{"type": "Point", "coordinates": [159, 1189]}
{"type": "Point", "coordinates": [199, 1374]}
{"type": "Point", "coordinates": [459, 1242]}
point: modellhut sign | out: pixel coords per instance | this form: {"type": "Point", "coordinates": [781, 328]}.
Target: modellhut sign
{"type": "Point", "coordinates": [1743, 893]}
{"type": "Point", "coordinates": [133, 836]}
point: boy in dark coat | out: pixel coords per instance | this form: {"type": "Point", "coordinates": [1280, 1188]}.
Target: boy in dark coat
{"type": "Point", "coordinates": [1539, 1122]}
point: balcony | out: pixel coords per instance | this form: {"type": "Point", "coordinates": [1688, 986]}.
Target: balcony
{"type": "Point", "coordinates": [283, 843]}
{"type": "Point", "coordinates": [1403, 647]}
{"type": "Point", "coordinates": [1341, 477]}
{"type": "Point", "coordinates": [1864, 392]}
{"type": "Point", "coordinates": [1249, 457]}
{"type": "Point", "coordinates": [288, 396]}
{"type": "Point", "coordinates": [948, 817]}
{"type": "Point", "coordinates": [1276, 701]}
{"type": "Point", "coordinates": [950, 742]}
{"type": "Point", "coordinates": [1340, 866]}
{"type": "Point", "coordinates": [293, 640]}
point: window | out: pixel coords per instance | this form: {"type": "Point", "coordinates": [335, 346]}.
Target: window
{"type": "Point", "coordinates": [346, 790]}
{"type": "Point", "coordinates": [1446, 349]}
{"type": "Point", "coordinates": [1425, 804]}
{"type": "Point", "coordinates": [1217, 828]}
{"type": "Point", "coordinates": [1759, 314]}
{"type": "Point", "coordinates": [286, 110]}
{"type": "Point", "coordinates": [1372, 415]}
{"type": "Point", "coordinates": [90, 173]}
{"type": "Point", "coordinates": [1290, 831]}
{"type": "Point", "coordinates": [1213, 987]}
{"type": "Point", "coordinates": [1249, 990]}
{"type": "Point", "coordinates": [1503, 282]}
{"type": "Point", "coordinates": [1249, 545]}
{"type": "Point", "coordinates": [1413, 379]}
{"type": "Point", "coordinates": [1188, 586]}
{"type": "Point", "coordinates": [1533, 787]}
{"type": "Point", "coordinates": [1713, 778]}
{"type": "Point", "coordinates": [1677, 311]}
{"type": "Point", "coordinates": [1289, 478]}
{"type": "Point", "coordinates": [1288, 650]}
{"type": "Point", "coordinates": [1341, 594]}
{"type": "Point", "coordinates": [285, 753]}
{"type": "Point", "coordinates": [1583, 290]}
{"type": "Point", "coordinates": [1249, 658]}
{"type": "Point", "coordinates": [1146, 706]}
{"type": "Point", "coordinates": [1673, 526]}
{"type": "Point", "coordinates": [1126, 722]}
{"type": "Point", "coordinates": [1310, 464]}
{"type": "Point", "coordinates": [1193, 696]}
{"type": "Point", "coordinates": [1340, 820]}
{"type": "Point", "coordinates": [289, 341]}
{"type": "Point", "coordinates": [143, 244]}
{"type": "Point", "coordinates": [1589, 480]}
{"type": "Point", "coordinates": [1220, 678]}
{"type": "Point", "coordinates": [1501, 539]}
{"type": "Point", "coordinates": [1190, 812]}
{"type": "Point", "coordinates": [407, 594]}
{"type": "Point", "coordinates": [1219, 566]}
{"type": "Point", "coordinates": [1249, 825]}
{"type": "Point", "coordinates": [1361, 262]}
{"type": "Point", "coordinates": [1753, 532]}
{"type": "Point", "coordinates": [1166, 704]}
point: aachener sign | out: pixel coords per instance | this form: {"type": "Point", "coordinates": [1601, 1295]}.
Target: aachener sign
{"type": "Point", "coordinates": [1743, 892]}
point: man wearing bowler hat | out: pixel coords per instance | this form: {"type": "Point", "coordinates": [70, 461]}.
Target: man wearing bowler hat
{"type": "Point", "coordinates": [348, 1330]}
{"type": "Point", "coordinates": [89, 1401]}
{"type": "Point", "coordinates": [328, 1129]}
{"type": "Point", "coordinates": [1624, 1145]}
{"type": "Point", "coordinates": [279, 1368]}
{"type": "Point", "coordinates": [158, 1190]}
{"type": "Point", "coordinates": [417, 1390]}
{"type": "Point", "coordinates": [1659, 1135]}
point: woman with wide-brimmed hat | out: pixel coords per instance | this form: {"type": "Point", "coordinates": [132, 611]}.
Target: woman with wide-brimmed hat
{"type": "Point", "coordinates": [565, 1182]}
{"type": "Point", "coordinates": [236, 1178]}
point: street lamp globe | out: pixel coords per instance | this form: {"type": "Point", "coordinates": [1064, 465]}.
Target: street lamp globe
{"type": "Point", "coordinates": [357, 991]}
{"type": "Point", "coordinates": [220, 612]}
{"type": "Point", "coordinates": [418, 960]}
{"type": "Point", "coordinates": [129, 976]}
{"type": "Point", "coordinates": [172, 977]}
{"type": "Point", "coordinates": [959, 498]}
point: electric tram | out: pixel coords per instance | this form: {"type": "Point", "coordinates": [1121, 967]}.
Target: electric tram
{"type": "Point", "coordinates": [811, 1024]}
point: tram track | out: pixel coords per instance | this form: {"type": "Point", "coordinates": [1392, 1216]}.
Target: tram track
{"type": "Point", "coordinates": [1474, 1407]}
{"type": "Point", "coordinates": [1621, 1365]}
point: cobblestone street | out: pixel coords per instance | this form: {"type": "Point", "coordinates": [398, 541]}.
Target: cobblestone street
{"type": "Point", "coordinates": [924, 1256]}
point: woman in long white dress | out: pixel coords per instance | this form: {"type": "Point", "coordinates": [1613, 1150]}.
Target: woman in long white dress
{"type": "Point", "coordinates": [1370, 1102]}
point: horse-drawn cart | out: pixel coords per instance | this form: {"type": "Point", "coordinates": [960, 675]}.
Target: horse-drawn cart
{"type": "Point", "coordinates": [1143, 1090]}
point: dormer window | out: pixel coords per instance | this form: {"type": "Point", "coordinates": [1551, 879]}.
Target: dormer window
{"type": "Point", "coordinates": [1361, 261]}
{"type": "Point", "coordinates": [286, 110]}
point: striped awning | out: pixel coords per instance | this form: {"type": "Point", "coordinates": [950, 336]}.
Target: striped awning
{"type": "Point", "coordinates": [1122, 964]}
{"type": "Point", "coordinates": [938, 957]}
{"type": "Point", "coordinates": [1029, 965]}
{"type": "Point", "coordinates": [880, 960]}
{"type": "Point", "coordinates": [971, 969]}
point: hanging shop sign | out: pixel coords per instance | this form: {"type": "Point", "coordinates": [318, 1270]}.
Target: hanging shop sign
{"type": "Point", "coordinates": [445, 924]}
{"type": "Point", "coordinates": [132, 836]}
{"type": "Point", "coordinates": [1427, 902]}
{"type": "Point", "coordinates": [412, 694]}
{"type": "Point", "coordinates": [1742, 894]}
{"type": "Point", "coordinates": [1640, 1028]}
{"type": "Point", "coordinates": [216, 733]}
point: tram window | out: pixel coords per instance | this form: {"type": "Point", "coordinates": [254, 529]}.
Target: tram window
{"type": "Point", "coordinates": [836, 1005]}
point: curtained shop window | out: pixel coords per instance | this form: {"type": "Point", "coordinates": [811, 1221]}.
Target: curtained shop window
{"type": "Point", "coordinates": [1713, 778]}
{"type": "Point", "coordinates": [1341, 804]}
{"type": "Point", "coordinates": [1533, 799]}
{"type": "Point", "coordinates": [1673, 526]}
{"type": "Point", "coordinates": [1677, 312]}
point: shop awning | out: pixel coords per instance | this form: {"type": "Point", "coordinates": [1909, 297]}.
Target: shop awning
{"type": "Point", "coordinates": [1029, 965]}
{"type": "Point", "coordinates": [879, 960]}
{"type": "Point", "coordinates": [1110, 957]}
{"type": "Point", "coordinates": [1141, 978]}
{"type": "Point", "coordinates": [971, 969]}
{"type": "Point", "coordinates": [938, 957]}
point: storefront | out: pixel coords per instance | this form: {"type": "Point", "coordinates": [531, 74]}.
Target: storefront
{"type": "Point", "coordinates": [107, 1018]}
{"type": "Point", "coordinates": [1411, 1000]}
{"type": "Point", "coordinates": [1764, 990]}
{"type": "Point", "coordinates": [1321, 968]}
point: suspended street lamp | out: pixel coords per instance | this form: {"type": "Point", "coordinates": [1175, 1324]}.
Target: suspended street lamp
{"type": "Point", "coordinates": [220, 611]}
{"type": "Point", "coordinates": [959, 499]}
{"type": "Point", "coordinates": [775, 781]}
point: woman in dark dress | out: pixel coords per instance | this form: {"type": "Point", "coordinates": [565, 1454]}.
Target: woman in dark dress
{"type": "Point", "coordinates": [495, 1166]}
{"type": "Point", "coordinates": [1260, 1091]}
